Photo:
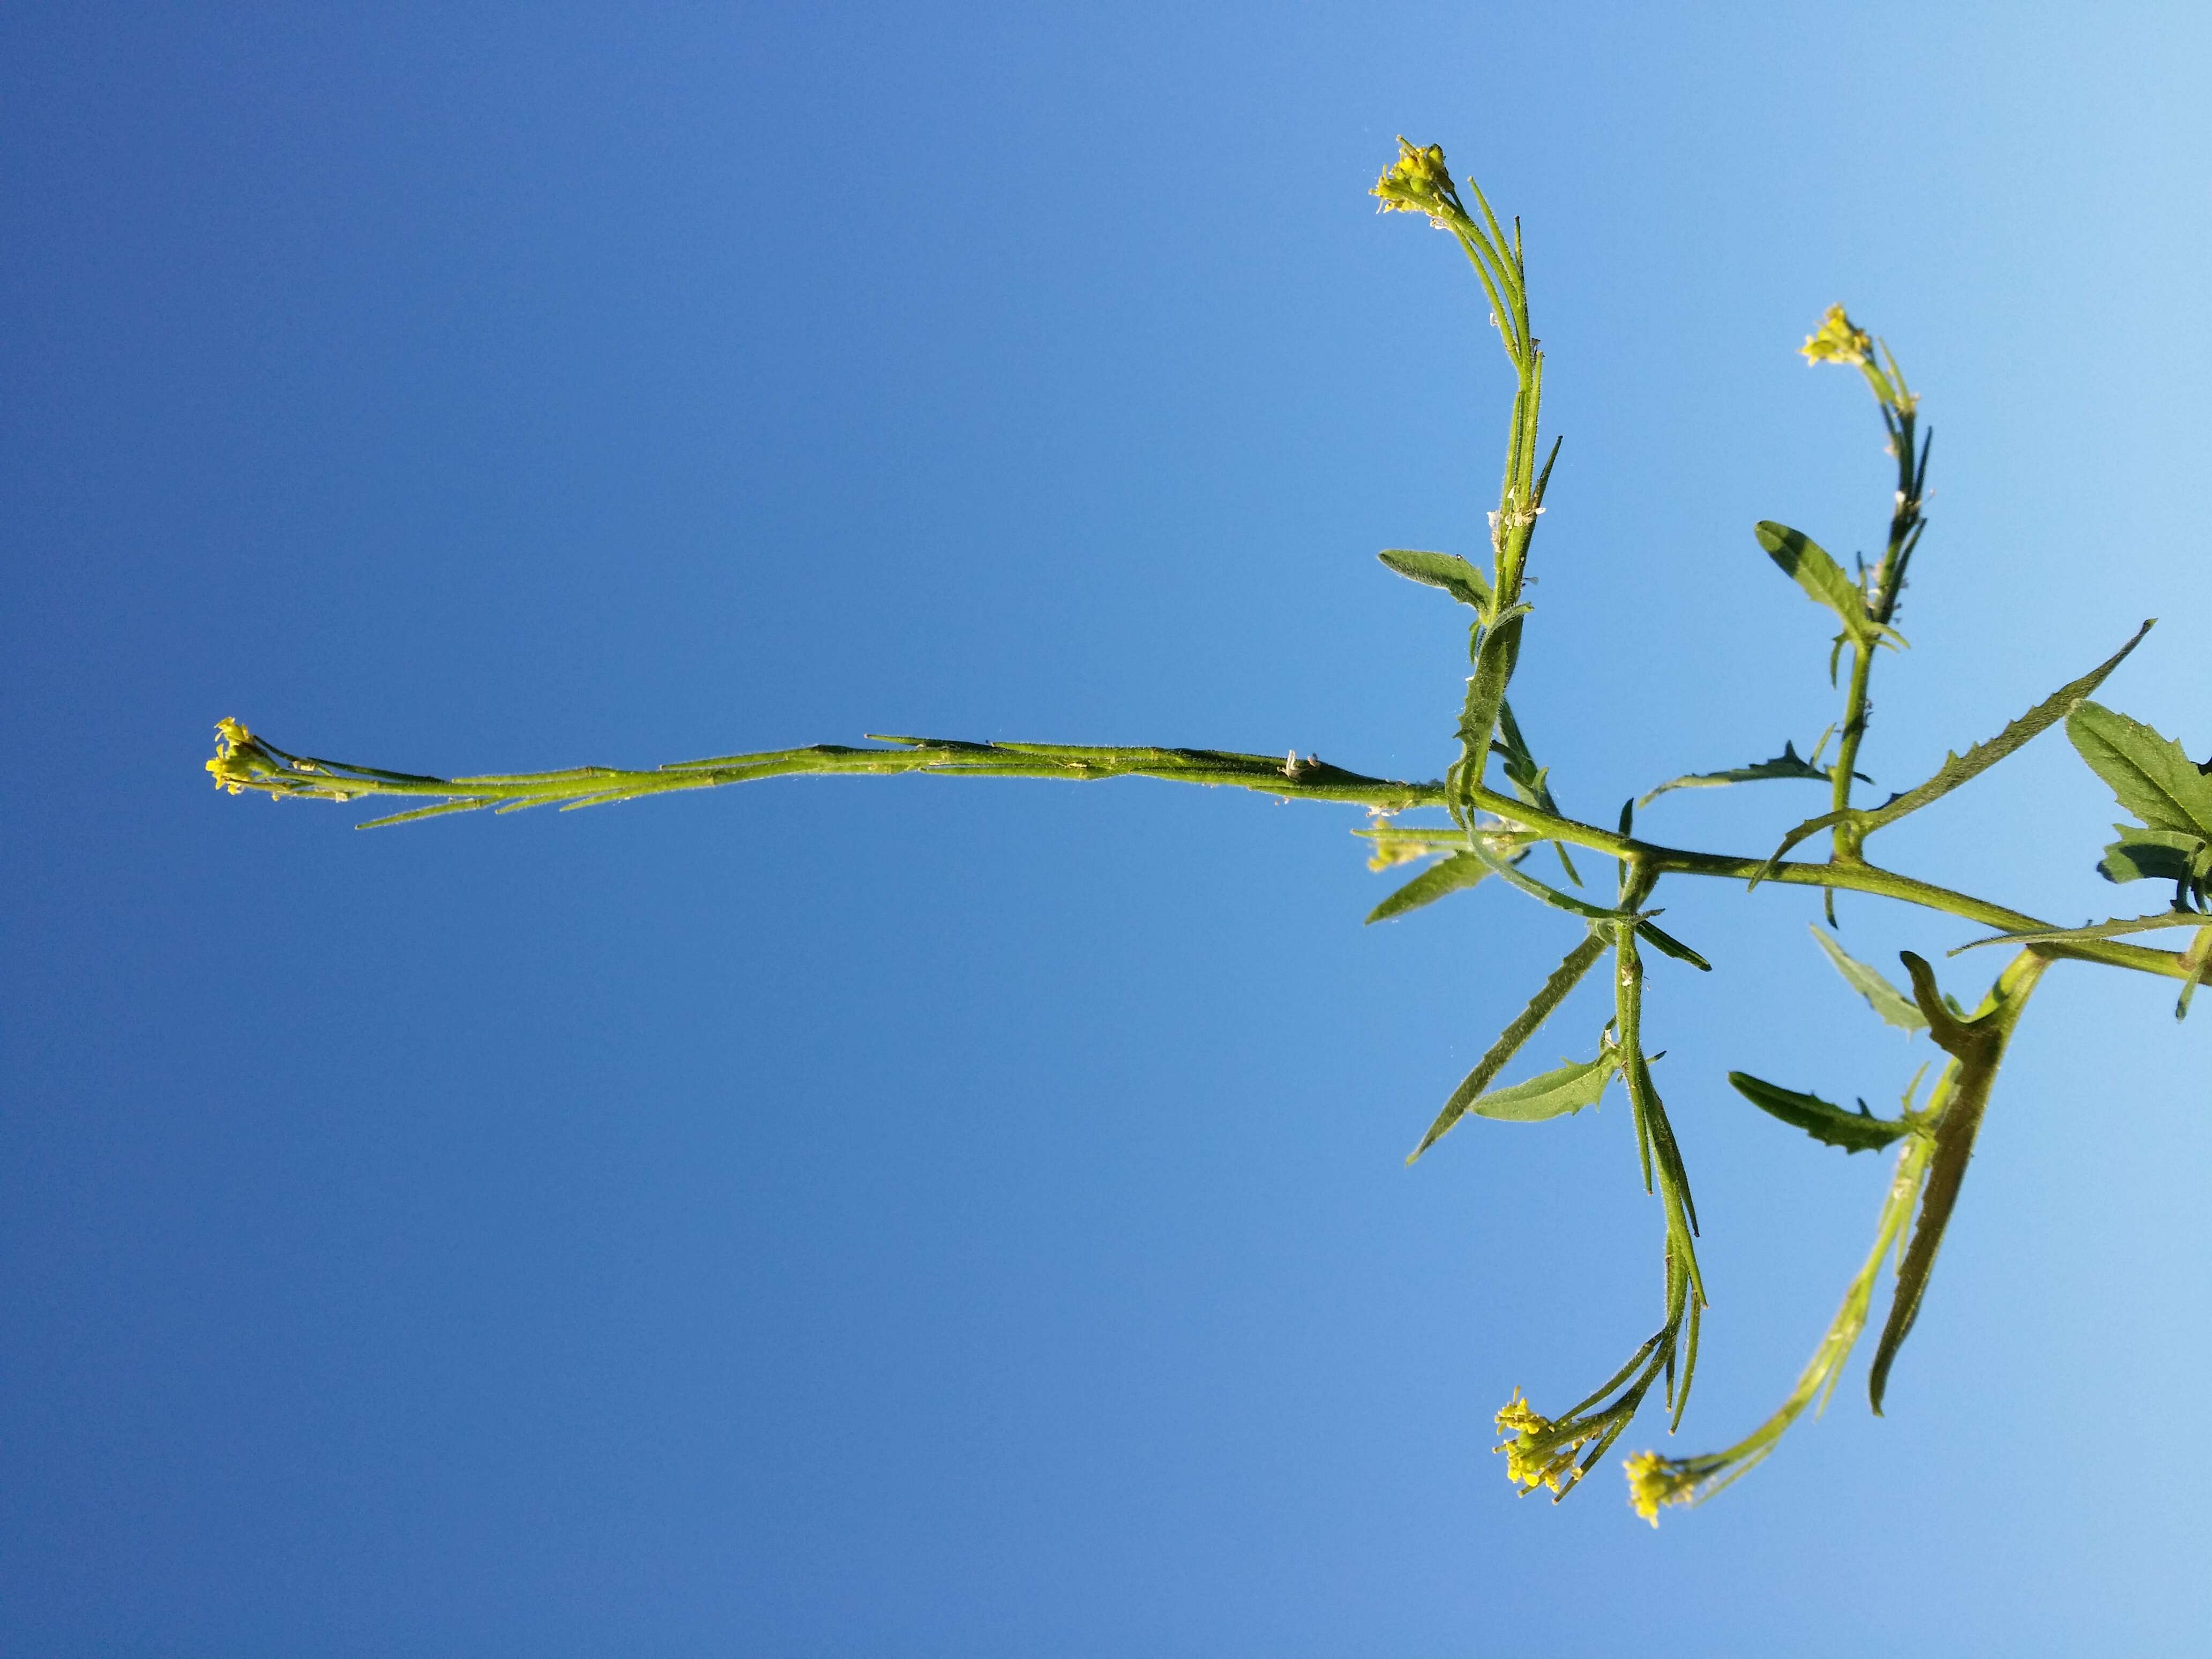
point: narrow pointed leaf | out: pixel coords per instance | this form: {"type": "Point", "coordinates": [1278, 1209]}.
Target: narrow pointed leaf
{"type": "Point", "coordinates": [1445, 570]}
{"type": "Point", "coordinates": [1551, 1094]}
{"type": "Point", "coordinates": [1808, 564]}
{"type": "Point", "coordinates": [1666, 944]}
{"type": "Point", "coordinates": [1789, 765]}
{"type": "Point", "coordinates": [1894, 1007]}
{"type": "Point", "coordinates": [1855, 1132]}
{"type": "Point", "coordinates": [1960, 769]}
{"type": "Point", "coordinates": [1553, 991]}
{"type": "Point", "coordinates": [2149, 773]}
{"type": "Point", "coordinates": [1449, 876]}
{"type": "Point", "coordinates": [2083, 935]}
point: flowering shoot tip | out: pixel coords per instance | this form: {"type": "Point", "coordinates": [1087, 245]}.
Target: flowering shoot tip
{"type": "Point", "coordinates": [1419, 182]}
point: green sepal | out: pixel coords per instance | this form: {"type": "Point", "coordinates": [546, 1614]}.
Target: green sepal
{"type": "Point", "coordinates": [1448, 876]}
{"type": "Point", "coordinates": [1445, 570]}
{"type": "Point", "coordinates": [1551, 1094]}
{"type": "Point", "coordinates": [1894, 1007]}
{"type": "Point", "coordinates": [2149, 772]}
{"type": "Point", "coordinates": [1855, 1132]}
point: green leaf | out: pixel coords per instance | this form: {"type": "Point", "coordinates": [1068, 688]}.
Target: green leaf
{"type": "Point", "coordinates": [1787, 764]}
{"type": "Point", "coordinates": [1446, 570]}
{"type": "Point", "coordinates": [1551, 1094]}
{"type": "Point", "coordinates": [1460, 869]}
{"type": "Point", "coordinates": [1666, 944]}
{"type": "Point", "coordinates": [1960, 768]}
{"type": "Point", "coordinates": [2083, 935]}
{"type": "Point", "coordinates": [1498, 650]}
{"type": "Point", "coordinates": [2150, 775]}
{"type": "Point", "coordinates": [2152, 855]}
{"type": "Point", "coordinates": [1549, 995]}
{"type": "Point", "coordinates": [1977, 1047]}
{"type": "Point", "coordinates": [1805, 562]}
{"type": "Point", "coordinates": [1855, 1132]}
{"type": "Point", "coordinates": [1956, 769]}
{"type": "Point", "coordinates": [1894, 1007]}
{"type": "Point", "coordinates": [1528, 779]}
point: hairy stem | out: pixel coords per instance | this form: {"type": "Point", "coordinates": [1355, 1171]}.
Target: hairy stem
{"type": "Point", "coordinates": [245, 762]}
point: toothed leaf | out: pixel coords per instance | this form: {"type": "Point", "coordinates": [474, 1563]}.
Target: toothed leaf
{"type": "Point", "coordinates": [2149, 772]}
{"type": "Point", "coordinates": [1551, 1094]}
{"type": "Point", "coordinates": [1789, 765]}
{"type": "Point", "coordinates": [1855, 1132]}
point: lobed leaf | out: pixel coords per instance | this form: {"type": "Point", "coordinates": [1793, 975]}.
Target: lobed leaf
{"type": "Point", "coordinates": [1855, 1132]}
{"type": "Point", "coordinates": [2149, 772]}
{"type": "Point", "coordinates": [1787, 764]}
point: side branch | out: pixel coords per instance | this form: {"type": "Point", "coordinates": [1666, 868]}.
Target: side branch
{"type": "Point", "coordinates": [245, 762]}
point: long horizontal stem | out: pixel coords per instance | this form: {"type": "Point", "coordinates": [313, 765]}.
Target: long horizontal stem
{"type": "Point", "coordinates": [245, 762]}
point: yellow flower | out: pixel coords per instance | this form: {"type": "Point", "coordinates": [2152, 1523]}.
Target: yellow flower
{"type": "Point", "coordinates": [1541, 1453]}
{"type": "Point", "coordinates": [1839, 340]}
{"type": "Point", "coordinates": [1389, 853]}
{"type": "Point", "coordinates": [235, 755]}
{"type": "Point", "coordinates": [1517, 1416]}
{"type": "Point", "coordinates": [1419, 182]}
{"type": "Point", "coordinates": [1654, 1480]}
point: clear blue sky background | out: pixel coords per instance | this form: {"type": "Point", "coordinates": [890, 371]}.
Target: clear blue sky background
{"type": "Point", "coordinates": [929, 1218]}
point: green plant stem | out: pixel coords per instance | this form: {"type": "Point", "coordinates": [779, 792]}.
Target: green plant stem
{"type": "Point", "coordinates": [1977, 1047]}
{"type": "Point", "coordinates": [260, 766]}
{"type": "Point", "coordinates": [1846, 838]}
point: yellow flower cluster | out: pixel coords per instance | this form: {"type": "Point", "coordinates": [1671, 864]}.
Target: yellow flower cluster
{"type": "Point", "coordinates": [1654, 1480]}
{"type": "Point", "coordinates": [1539, 1453]}
{"type": "Point", "coordinates": [1419, 182]}
{"type": "Point", "coordinates": [238, 761]}
{"type": "Point", "coordinates": [1839, 340]}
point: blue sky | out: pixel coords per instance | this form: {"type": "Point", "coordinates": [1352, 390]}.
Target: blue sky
{"type": "Point", "coordinates": [918, 1217]}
